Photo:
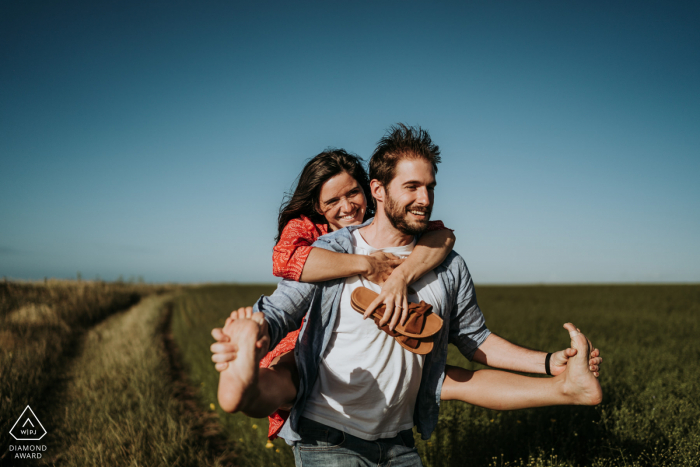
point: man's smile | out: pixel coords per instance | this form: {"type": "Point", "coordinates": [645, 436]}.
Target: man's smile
{"type": "Point", "coordinates": [421, 212]}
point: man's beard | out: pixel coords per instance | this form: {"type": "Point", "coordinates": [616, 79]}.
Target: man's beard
{"type": "Point", "coordinates": [398, 216]}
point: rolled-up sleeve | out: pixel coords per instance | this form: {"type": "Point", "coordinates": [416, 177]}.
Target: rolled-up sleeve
{"type": "Point", "coordinates": [284, 310]}
{"type": "Point", "coordinates": [467, 324]}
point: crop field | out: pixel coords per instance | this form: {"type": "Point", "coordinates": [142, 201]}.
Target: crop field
{"type": "Point", "coordinates": [121, 374]}
{"type": "Point", "coordinates": [650, 415]}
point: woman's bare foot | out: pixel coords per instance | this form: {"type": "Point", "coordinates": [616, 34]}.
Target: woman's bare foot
{"type": "Point", "coordinates": [223, 351]}
{"type": "Point", "coordinates": [238, 386]}
{"type": "Point", "coordinates": [580, 383]}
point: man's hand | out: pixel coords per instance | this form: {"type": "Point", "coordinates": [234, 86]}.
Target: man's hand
{"type": "Point", "coordinates": [223, 351]}
{"type": "Point", "coordinates": [497, 352]}
{"type": "Point", "coordinates": [558, 360]}
{"type": "Point", "coordinates": [380, 265]}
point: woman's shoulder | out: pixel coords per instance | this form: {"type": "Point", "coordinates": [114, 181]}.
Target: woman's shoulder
{"type": "Point", "coordinates": [304, 227]}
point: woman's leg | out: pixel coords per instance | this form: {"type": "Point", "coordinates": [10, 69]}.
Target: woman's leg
{"type": "Point", "coordinates": [500, 390]}
{"type": "Point", "coordinates": [277, 388]}
{"type": "Point", "coordinates": [243, 385]}
{"type": "Point", "coordinates": [251, 381]}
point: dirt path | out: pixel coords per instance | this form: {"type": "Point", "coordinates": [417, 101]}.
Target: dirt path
{"type": "Point", "coordinates": [117, 404]}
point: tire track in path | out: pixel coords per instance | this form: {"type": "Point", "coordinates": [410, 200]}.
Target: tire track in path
{"type": "Point", "coordinates": [121, 404]}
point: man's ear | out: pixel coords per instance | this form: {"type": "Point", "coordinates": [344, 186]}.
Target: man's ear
{"type": "Point", "coordinates": [377, 190]}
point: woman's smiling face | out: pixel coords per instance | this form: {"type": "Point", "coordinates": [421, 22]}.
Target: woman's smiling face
{"type": "Point", "coordinates": [342, 201]}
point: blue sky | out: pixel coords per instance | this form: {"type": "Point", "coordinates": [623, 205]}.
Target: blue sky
{"type": "Point", "coordinates": [157, 139]}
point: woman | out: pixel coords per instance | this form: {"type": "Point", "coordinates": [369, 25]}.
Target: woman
{"type": "Point", "coordinates": [332, 193]}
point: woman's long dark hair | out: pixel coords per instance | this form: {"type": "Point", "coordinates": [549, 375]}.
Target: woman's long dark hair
{"type": "Point", "coordinates": [318, 171]}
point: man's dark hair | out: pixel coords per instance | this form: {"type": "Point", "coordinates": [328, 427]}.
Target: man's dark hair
{"type": "Point", "coordinates": [401, 142]}
{"type": "Point", "coordinates": [317, 171]}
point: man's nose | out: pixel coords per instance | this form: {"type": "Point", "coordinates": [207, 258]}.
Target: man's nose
{"type": "Point", "coordinates": [423, 196]}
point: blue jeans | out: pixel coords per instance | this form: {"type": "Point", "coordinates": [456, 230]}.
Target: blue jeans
{"type": "Point", "coordinates": [323, 446]}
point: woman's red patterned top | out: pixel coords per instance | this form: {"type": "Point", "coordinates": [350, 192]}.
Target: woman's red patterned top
{"type": "Point", "coordinates": [290, 253]}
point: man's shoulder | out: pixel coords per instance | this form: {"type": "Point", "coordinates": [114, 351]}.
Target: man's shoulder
{"type": "Point", "coordinates": [335, 241]}
{"type": "Point", "coordinates": [340, 240]}
{"type": "Point", "coordinates": [454, 261]}
{"type": "Point", "coordinates": [455, 265]}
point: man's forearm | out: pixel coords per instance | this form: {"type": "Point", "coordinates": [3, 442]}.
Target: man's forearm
{"type": "Point", "coordinates": [497, 352]}
{"type": "Point", "coordinates": [285, 308]}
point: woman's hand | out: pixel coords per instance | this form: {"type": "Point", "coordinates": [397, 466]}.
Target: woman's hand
{"type": "Point", "coordinates": [223, 350]}
{"type": "Point", "coordinates": [394, 297]}
{"type": "Point", "coordinates": [380, 265]}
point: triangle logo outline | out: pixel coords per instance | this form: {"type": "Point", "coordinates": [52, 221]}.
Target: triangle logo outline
{"type": "Point", "coordinates": [35, 418]}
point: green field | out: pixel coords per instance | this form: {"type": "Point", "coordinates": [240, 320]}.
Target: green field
{"type": "Point", "coordinates": [121, 374]}
{"type": "Point", "coordinates": [650, 415]}
{"type": "Point", "coordinates": [195, 314]}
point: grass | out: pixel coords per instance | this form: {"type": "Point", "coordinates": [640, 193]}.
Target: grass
{"type": "Point", "coordinates": [651, 377]}
{"type": "Point", "coordinates": [195, 313]}
{"type": "Point", "coordinates": [40, 325]}
{"type": "Point", "coordinates": [107, 385]}
{"type": "Point", "coordinates": [117, 405]}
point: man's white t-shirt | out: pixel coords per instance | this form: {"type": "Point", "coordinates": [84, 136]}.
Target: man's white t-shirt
{"type": "Point", "coordinates": [367, 383]}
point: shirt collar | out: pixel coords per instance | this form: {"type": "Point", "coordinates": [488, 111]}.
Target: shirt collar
{"type": "Point", "coordinates": [340, 240]}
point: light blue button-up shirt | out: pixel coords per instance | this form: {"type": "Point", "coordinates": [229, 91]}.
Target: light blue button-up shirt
{"type": "Point", "coordinates": [464, 326]}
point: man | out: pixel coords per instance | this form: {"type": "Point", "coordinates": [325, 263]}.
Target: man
{"type": "Point", "coordinates": [360, 393]}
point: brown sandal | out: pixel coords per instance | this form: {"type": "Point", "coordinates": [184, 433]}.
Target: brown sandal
{"type": "Point", "coordinates": [421, 322]}
{"type": "Point", "coordinates": [421, 346]}
{"type": "Point", "coordinates": [416, 335]}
